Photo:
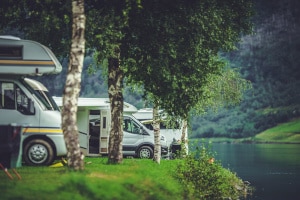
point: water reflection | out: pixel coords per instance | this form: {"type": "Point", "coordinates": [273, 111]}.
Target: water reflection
{"type": "Point", "coordinates": [273, 169]}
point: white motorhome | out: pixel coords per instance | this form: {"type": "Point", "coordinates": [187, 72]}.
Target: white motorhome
{"type": "Point", "coordinates": [93, 120]}
{"type": "Point", "coordinates": [172, 134]}
{"type": "Point", "coordinates": [26, 102]}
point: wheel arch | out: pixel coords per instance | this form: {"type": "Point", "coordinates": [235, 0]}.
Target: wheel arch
{"type": "Point", "coordinates": [151, 146]}
{"type": "Point", "coordinates": [41, 137]}
{"type": "Point", "coordinates": [144, 144]}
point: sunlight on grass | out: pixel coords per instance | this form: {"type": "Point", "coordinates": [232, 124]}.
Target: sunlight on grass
{"type": "Point", "coordinates": [287, 132]}
{"type": "Point", "coordinates": [133, 179]}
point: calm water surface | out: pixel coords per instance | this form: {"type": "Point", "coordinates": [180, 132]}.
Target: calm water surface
{"type": "Point", "coordinates": [273, 169]}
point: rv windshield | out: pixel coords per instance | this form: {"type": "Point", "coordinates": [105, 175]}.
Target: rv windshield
{"type": "Point", "coordinates": [41, 93]}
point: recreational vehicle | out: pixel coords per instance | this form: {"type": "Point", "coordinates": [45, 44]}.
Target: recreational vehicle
{"type": "Point", "coordinates": [145, 116]}
{"type": "Point", "coordinates": [26, 102]}
{"type": "Point", "coordinates": [93, 120]}
{"type": "Point", "coordinates": [172, 134]}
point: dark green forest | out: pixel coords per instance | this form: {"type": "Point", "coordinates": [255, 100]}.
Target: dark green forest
{"type": "Point", "coordinates": [269, 58]}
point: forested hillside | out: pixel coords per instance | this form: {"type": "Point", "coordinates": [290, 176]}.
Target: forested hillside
{"type": "Point", "coordinates": [269, 58]}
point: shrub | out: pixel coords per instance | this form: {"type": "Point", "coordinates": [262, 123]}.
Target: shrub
{"type": "Point", "coordinates": [204, 178]}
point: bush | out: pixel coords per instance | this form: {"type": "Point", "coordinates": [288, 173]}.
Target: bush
{"type": "Point", "coordinates": [204, 178]}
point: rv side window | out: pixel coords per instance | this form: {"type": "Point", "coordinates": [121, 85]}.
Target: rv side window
{"type": "Point", "coordinates": [23, 102]}
{"type": "Point", "coordinates": [7, 96]}
{"type": "Point", "coordinates": [11, 52]}
{"type": "Point", "coordinates": [13, 98]}
{"type": "Point", "coordinates": [131, 127]}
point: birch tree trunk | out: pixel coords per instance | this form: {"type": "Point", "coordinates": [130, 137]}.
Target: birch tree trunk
{"type": "Point", "coordinates": [184, 141]}
{"type": "Point", "coordinates": [115, 85]}
{"type": "Point", "coordinates": [156, 128]}
{"type": "Point", "coordinates": [72, 88]}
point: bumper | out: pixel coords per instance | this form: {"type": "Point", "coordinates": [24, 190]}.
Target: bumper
{"type": "Point", "coordinates": [59, 143]}
{"type": "Point", "coordinates": [164, 150]}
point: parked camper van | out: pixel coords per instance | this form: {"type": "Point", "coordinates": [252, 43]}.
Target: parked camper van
{"type": "Point", "coordinates": [138, 141]}
{"type": "Point", "coordinates": [145, 116]}
{"type": "Point", "coordinates": [26, 102]}
{"type": "Point", "coordinates": [93, 120]}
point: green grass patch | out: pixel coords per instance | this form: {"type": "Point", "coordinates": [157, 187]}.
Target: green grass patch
{"type": "Point", "coordinates": [133, 179]}
{"type": "Point", "coordinates": [283, 133]}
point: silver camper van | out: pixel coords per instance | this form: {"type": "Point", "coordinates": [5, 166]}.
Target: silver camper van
{"type": "Point", "coordinates": [26, 102]}
{"type": "Point", "coordinates": [93, 121]}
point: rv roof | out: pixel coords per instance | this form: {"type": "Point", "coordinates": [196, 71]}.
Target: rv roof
{"type": "Point", "coordinates": [9, 37]}
{"type": "Point", "coordinates": [26, 57]}
{"type": "Point", "coordinates": [145, 114]}
{"type": "Point", "coordinates": [101, 103]}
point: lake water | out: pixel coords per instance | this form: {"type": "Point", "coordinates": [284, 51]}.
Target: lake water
{"type": "Point", "coordinates": [273, 169]}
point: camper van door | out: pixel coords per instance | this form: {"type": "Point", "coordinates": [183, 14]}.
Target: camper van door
{"type": "Point", "coordinates": [104, 131]}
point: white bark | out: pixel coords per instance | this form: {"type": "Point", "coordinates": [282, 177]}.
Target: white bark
{"type": "Point", "coordinates": [72, 88]}
{"type": "Point", "coordinates": [156, 128]}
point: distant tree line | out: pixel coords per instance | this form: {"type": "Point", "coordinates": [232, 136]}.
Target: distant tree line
{"type": "Point", "coordinates": [270, 59]}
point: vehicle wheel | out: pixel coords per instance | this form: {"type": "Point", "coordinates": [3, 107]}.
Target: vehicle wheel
{"type": "Point", "coordinates": [145, 152]}
{"type": "Point", "coordinates": [38, 152]}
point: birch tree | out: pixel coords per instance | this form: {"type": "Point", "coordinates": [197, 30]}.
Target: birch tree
{"type": "Point", "coordinates": [156, 129]}
{"type": "Point", "coordinates": [106, 37]}
{"type": "Point", "coordinates": [115, 85]}
{"type": "Point", "coordinates": [72, 88]}
{"type": "Point", "coordinates": [177, 47]}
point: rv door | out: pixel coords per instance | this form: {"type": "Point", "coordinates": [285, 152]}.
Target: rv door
{"type": "Point", "coordinates": [104, 131]}
{"type": "Point", "coordinates": [83, 130]}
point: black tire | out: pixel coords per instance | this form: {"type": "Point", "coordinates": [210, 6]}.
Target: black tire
{"type": "Point", "coordinates": [38, 152]}
{"type": "Point", "coordinates": [145, 152]}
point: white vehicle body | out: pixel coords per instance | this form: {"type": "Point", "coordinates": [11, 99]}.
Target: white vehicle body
{"type": "Point", "coordinates": [93, 120]}
{"type": "Point", "coordinates": [173, 135]}
{"type": "Point", "coordinates": [26, 102]}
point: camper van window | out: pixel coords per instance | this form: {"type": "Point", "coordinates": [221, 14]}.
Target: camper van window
{"type": "Point", "coordinates": [42, 96]}
{"type": "Point", "coordinates": [104, 123]}
{"type": "Point", "coordinates": [22, 102]}
{"type": "Point", "coordinates": [12, 98]}
{"type": "Point", "coordinates": [7, 95]}
{"type": "Point", "coordinates": [131, 127]}
{"type": "Point", "coordinates": [11, 52]}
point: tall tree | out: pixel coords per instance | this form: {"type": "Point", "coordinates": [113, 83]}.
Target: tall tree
{"type": "Point", "coordinates": [109, 32]}
{"type": "Point", "coordinates": [72, 88]}
{"type": "Point", "coordinates": [156, 128]}
{"type": "Point", "coordinates": [115, 85]}
{"type": "Point", "coordinates": [175, 47]}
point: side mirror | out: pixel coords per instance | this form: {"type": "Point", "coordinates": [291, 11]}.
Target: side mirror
{"type": "Point", "coordinates": [141, 131]}
{"type": "Point", "coordinates": [31, 108]}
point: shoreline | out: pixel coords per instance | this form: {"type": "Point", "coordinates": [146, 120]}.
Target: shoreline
{"type": "Point", "coordinates": [239, 141]}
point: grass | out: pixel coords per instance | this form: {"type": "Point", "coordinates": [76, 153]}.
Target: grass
{"type": "Point", "coordinates": [282, 133]}
{"type": "Point", "coordinates": [134, 179]}
{"type": "Point", "coordinates": [285, 133]}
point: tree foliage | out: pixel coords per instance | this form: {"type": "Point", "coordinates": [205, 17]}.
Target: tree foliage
{"type": "Point", "coordinates": [48, 22]}
{"type": "Point", "coordinates": [269, 59]}
{"type": "Point", "coordinates": [174, 49]}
